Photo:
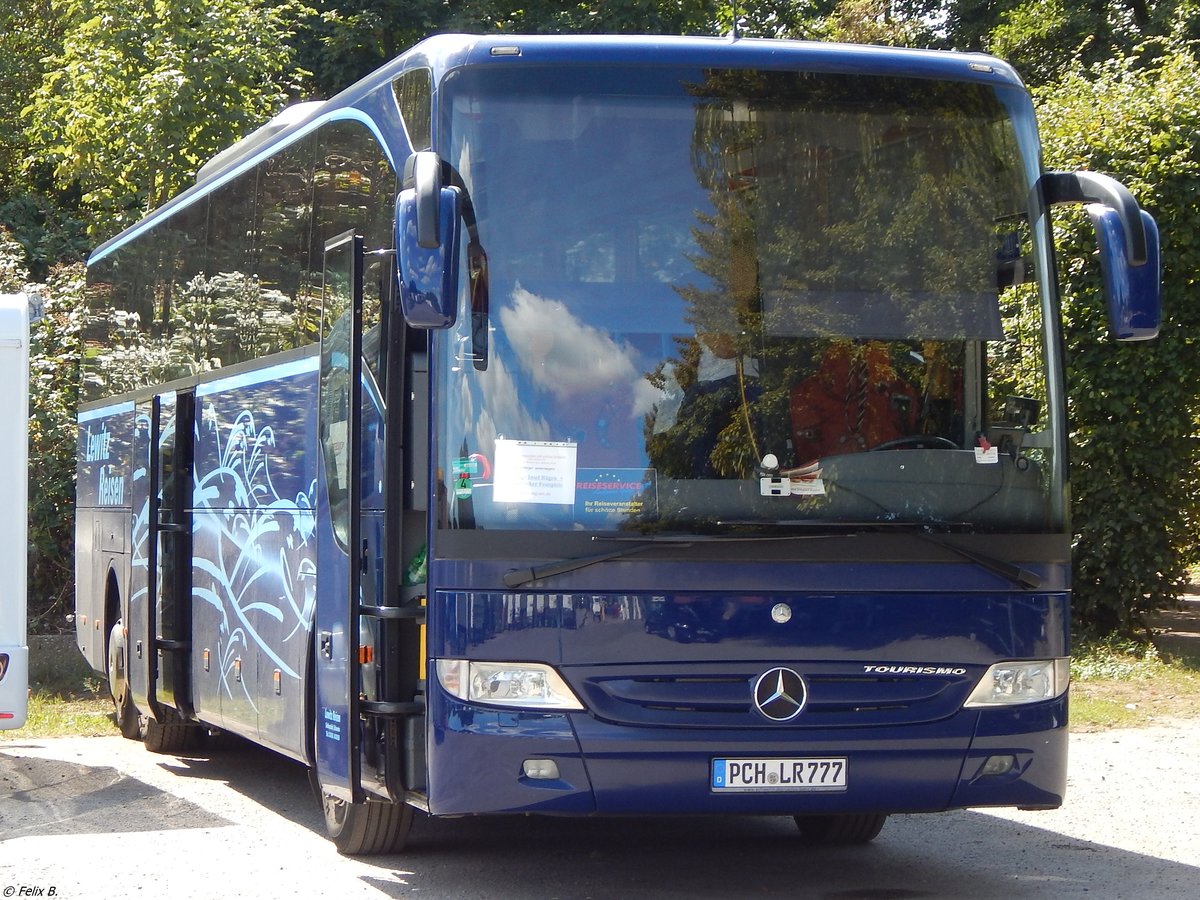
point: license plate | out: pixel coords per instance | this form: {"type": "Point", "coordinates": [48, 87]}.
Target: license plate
{"type": "Point", "coordinates": [801, 774]}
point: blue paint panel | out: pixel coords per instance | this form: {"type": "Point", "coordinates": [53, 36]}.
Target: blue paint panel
{"type": "Point", "coordinates": [332, 701]}
{"type": "Point", "coordinates": [137, 597]}
{"type": "Point", "coordinates": [828, 575]}
{"type": "Point", "coordinates": [1036, 736]}
{"type": "Point", "coordinates": [588, 628]}
{"type": "Point", "coordinates": [256, 440]}
{"type": "Point", "coordinates": [254, 565]}
{"type": "Point", "coordinates": [477, 754]}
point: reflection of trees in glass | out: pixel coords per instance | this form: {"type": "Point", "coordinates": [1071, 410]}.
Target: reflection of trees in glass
{"type": "Point", "coordinates": [844, 209]}
{"type": "Point", "coordinates": [231, 316]}
{"type": "Point", "coordinates": [237, 275]}
{"type": "Point", "coordinates": [126, 358]}
{"type": "Point", "coordinates": [213, 321]}
{"type": "Point", "coordinates": [1015, 364]}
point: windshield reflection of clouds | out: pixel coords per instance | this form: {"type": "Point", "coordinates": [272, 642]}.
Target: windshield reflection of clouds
{"type": "Point", "coordinates": [502, 411]}
{"type": "Point", "coordinates": [550, 362]}
{"type": "Point", "coordinates": [562, 354]}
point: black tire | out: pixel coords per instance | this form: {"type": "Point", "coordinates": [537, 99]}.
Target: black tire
{"type": "Point", "coordinates": [840, 830]}
{"type": "Point", "coordinates": [364, 829]}
{"type": "Point", "coordinates": [169, 737]}
{"type": "Point", "coordinates": [126, 713]}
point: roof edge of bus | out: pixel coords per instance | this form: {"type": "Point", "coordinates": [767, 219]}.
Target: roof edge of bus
{"type": "Point", "coordinates": [470, 47]}
{"type": "Point", "coordinates": [443, 52]}
{"type": "Point", "coordinates": [282, 120]}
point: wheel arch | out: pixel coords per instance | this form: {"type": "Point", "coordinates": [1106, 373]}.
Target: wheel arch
{"type": "Point", "coordinates": [113, 610]}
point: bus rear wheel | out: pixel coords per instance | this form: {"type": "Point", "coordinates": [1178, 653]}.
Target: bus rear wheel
{"type": "Point", "coordinates": [169, 736]}
{"type": "Point", "coordinates": [118, 684]}
{"type": "Point", "coordinates": [844, 830]}
{"type": "Point", "coordinates": [363, 829]}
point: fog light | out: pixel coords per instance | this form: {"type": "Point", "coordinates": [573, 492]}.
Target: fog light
{"type": "Point", "coordinates": [998, 765]}
{"type": "Point", "coordinates": [541, 769]}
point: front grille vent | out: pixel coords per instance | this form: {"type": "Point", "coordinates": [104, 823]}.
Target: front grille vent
{"type": "Point", "coordinates": [720, 696]}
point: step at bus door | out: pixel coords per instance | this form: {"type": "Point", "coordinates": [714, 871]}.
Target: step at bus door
{"type": "Point", "coordinates": [339, 552]}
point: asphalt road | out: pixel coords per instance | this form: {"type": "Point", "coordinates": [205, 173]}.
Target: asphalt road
{"type": "Point", "coordinates": [103, 818]}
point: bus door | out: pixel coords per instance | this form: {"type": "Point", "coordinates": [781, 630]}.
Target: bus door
{"type": "Point", "coordinates": [365, 639]}
{"type": "Point", "coordinates": [172, 537]}
{"type": "Point", "coordinates": [158, 616]}
{"type": "Point", "coordinates": [340, 554]}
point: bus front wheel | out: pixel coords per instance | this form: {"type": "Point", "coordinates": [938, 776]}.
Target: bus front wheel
{"type": "Point", "coordinates": [363, 829]}
{"type": "Point", "coordinates": [846, 829]}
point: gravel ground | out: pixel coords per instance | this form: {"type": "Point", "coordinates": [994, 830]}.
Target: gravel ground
{"type": "Point", "coordinates": [103, 818]}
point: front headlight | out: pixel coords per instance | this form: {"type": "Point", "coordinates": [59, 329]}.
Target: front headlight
{"type": "Point", "coordinates": [529, 685]}
{"type": "Point", "coordinates": [1013, 683]}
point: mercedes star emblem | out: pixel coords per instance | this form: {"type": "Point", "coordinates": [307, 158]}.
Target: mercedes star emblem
{"type": "Point", "coordinates": [780, 694]}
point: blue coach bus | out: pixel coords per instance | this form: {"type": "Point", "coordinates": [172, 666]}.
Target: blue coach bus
{"type": "Point", "coordinates": [604, 426]}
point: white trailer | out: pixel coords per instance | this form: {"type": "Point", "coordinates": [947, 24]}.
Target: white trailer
{"type": "Point", "coordinates": [14, 514]}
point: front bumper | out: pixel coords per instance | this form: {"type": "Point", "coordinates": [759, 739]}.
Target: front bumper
{"type": "Point", "coordinates": [476, 757]}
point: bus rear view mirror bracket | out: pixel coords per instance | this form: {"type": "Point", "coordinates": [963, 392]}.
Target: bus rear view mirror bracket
{"type": "Point", "coordinates": [428, 233]}
{"type": "Point", "coordinates": [1129, 248]}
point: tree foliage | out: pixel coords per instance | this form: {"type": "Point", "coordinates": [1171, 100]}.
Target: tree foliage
{"type": "Point", "coordinates": [29, 33]}
{"type": "Point", "coordinates": [43, 220]}
{"type": "Point", "coordinates": [350, 38]}
{"type": "Point", "coordinates": [143, 93]}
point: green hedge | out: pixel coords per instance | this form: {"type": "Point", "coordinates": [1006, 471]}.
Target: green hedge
{"type": "Point", "coordinates": [1132, 406]}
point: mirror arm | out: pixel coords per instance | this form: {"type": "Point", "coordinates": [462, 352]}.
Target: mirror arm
{"type": "Point", "coordinates": [1092, 187]}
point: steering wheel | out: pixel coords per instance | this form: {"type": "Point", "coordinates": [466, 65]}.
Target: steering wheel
{"type": "Point", "coordinates": [918, 442]}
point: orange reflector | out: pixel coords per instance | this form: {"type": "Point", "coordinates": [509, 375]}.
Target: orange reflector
{"type": "Point", "coordinates": [366, 655]}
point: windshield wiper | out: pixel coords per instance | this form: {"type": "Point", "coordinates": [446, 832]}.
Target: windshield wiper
{"type": "Point", "coordinates": [635, 544]}
{"type": "Point", "coordinates": [521, 577]}
{"type": "Point", "coordinates": [1018, 575]}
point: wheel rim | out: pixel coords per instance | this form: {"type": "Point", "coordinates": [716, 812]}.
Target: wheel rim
{"type": "Point", "coordinates": [335, 811]}
{"type": "Point", "coordinates": [117, 682]}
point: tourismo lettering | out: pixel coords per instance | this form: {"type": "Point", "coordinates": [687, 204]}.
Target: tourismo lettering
{"type": "Point", "coordinates": [914, 670]}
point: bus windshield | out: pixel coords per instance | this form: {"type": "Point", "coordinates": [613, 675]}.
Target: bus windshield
{"type": "Point", "coordinates": [707, 300]}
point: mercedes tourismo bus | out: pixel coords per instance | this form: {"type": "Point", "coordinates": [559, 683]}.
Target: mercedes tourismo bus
{"type": "Point", "coordinates": [604, 426]}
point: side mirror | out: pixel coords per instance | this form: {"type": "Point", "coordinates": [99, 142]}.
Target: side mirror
{"type": "Point", "coordinates": [1133, 292]}
{"type": "Point", "coordinates": [1129, 248]}
{"type": "Point", "coordinates": [428, 219]}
